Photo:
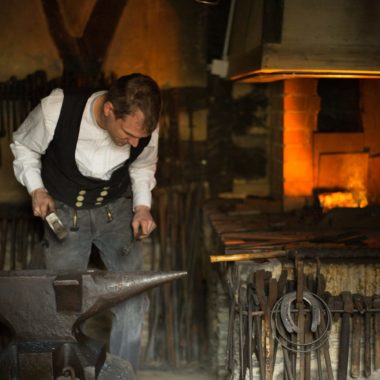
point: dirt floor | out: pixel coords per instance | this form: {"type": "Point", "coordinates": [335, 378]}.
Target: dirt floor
{"type": "Point", "coordinates": [193, 374]}
{"type": "Point", "coordinates": [98, 328]}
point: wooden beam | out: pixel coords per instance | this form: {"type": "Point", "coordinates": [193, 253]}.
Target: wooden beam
{"type": "Point", "coordinates": [247, 256]}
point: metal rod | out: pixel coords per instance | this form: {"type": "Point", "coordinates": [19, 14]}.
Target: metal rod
{"type": "Point", "coordinates": [228, 31]}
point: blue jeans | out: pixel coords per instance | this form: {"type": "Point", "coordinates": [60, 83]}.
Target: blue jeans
{"type": "Point", "coordinates": [119, 252]}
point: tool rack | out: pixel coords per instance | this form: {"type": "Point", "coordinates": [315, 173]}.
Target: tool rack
{"type": "Point", "coordinates": [287, 316]}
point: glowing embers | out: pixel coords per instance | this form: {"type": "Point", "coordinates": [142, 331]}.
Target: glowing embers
{"type": "Point", "coordinates": [329, 201]}
{"type": "Point", "coordinates": [354, 196]}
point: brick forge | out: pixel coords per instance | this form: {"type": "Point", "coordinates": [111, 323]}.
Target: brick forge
{"type": "Point", "coordinates": [313, 160]}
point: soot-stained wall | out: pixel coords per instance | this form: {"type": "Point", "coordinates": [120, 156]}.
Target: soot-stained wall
{"type": "Point", "coordinates": [162, 38]}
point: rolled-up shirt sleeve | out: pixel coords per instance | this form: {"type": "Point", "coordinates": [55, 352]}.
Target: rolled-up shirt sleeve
{"type": "Point", "coordinates": [142, 172]}
{"type": "Point", "coordinates": [30, 141]}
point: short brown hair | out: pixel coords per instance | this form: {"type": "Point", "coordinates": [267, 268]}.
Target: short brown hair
{"type": "Point", "coordinates": [135, 92]}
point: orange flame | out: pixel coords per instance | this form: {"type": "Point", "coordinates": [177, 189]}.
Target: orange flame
{"type": "Point", "coordinates": [355, 196]}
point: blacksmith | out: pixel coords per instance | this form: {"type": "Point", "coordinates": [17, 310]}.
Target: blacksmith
{"type": "Point", "coordinates": [91, 159]}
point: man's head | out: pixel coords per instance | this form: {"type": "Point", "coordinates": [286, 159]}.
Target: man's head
{"type": "Point", "coordinates": [133, 93]}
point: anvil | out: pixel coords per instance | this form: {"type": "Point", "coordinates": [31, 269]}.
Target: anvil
{"type": "Point", "coordinates": [42, 312]}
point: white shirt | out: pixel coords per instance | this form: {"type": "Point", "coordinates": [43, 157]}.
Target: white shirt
{"type": "Point", "coordinates": [96, 155]}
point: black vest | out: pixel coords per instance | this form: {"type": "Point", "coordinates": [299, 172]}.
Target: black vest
{"type": "Point", "coordinates": [60, 173]}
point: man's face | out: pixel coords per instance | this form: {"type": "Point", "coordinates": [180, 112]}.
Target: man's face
{"type": "Point", "coordinates": [128, 130]}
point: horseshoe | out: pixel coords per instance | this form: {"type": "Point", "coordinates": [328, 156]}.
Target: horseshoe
{"type": "Point", "coordinates": [285, 311]}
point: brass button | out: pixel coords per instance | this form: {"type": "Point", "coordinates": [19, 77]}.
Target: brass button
{"type": "Point", "coordinates": [98, 203]}
{"type": "Point", "coordinates": [80, 198]}
{"type": "Point", "coordinates": [79, 204]}
{"type": "Point", "coordinates": [82, 192]}
{"type": "Point", "coordinates": [106, 187]}
{"type": "Point", "coordinates": [99, 199]}
{"type": "Point", "coordinates": [104, 193]}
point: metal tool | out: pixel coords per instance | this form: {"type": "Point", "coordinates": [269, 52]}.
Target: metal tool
{"type": "Point", "coordinates": [348, 308]}
{"type": "Point", "coordinates": [257, 327]}
{"type": "Point", "coordinates": [287, 318]}
{"type": "Point", "coordinates": [321, 292]}
{"type": "Point", "coordinates": [281, 316]}
{"type": "Point", "coordinates": [242, 329]}
{"type": "Point", "coordinates": [56, 225]}
{"type": "Point", "coordinates": [42, 315]}
{"type": "Point", "coordinates": [367, 336]}
{"type": "Point", "coordinates": [376, 325]}
{"type": "Point", "coordinates": [265, 364]}
{"type": "Point", "coordinates": [356, 336]}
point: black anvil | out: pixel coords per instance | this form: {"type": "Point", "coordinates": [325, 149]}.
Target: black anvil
{"type": "Point", "coordinates": [42, 312]}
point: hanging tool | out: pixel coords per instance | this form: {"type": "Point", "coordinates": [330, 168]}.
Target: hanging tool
{"type": "Point", "coordinates": [321, 292]}
{"type": "Point", "coordinates": [348, 308]}
{"type": "Point", "coordinates": [376, 305]}
{"type": "Point", "coordinates": [263, 300]}
{"type": "Point", "coordinates": [357, 319]}
{"type": "Point", "coordinates": [367, 336]}
{"type": "Point", "coordinates": [257, 322]}
{"type": "Point", "coordinates": [242, 329]}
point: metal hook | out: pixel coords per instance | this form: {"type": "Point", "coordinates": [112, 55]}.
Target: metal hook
{"type": "Point", "coordinates": [109, 215]}
{"type": "Point", "coordinates": [208, 2]}
{"type": "Point", "coordinates": [75, 227]}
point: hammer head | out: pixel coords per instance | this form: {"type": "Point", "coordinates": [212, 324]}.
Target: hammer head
{"type": "Point", "coordinates": [56, 225]}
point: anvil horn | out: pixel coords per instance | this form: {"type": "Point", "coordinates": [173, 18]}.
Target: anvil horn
{"type": "Point", "coordinates": [110, 288]}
